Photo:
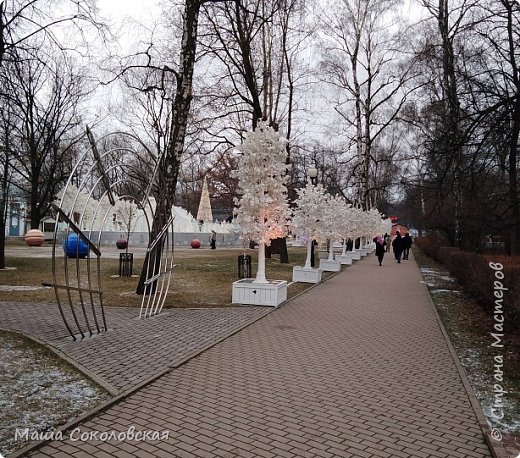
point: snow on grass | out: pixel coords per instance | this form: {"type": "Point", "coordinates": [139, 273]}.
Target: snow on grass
{"type": "Point", "coordinates": [469, 333]}
{"type": "Point", "coordinates": [38, 390]}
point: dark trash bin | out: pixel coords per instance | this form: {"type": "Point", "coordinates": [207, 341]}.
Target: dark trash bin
{"type": "Point", "coordinates": [244, 266]}
{"type": "Point", "coordinates": [126, 261]}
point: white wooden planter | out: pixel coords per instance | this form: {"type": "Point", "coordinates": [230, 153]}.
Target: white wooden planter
{"type": "Point", "coordinates": [330, 266]}
{"type": "Point", "coordinates": [362, 252]}
{"type": "Point", "coordinates": [249, 293]}
{"type": "Point", "coordinates": [356, 255]}
{"type": "Point", "coordinates": [345, 260]}
{"type": "Point", "coordinates": [369, 249]}
{"type": "Point", "coordinates": [306, 275]}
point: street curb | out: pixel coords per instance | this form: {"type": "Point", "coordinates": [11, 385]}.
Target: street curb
{"type": "Point", "coordinates": [157, 375]}
{"type": "Point", "coordinates": [497, 449]}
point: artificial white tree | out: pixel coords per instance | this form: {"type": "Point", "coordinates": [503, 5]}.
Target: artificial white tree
{"type": "Point", "coordinates": [373, 223]}
{"type": "Point", "coordinates": [348, 226]}
{"type": "Point", "coordinates": [262, 209]}
{"type": "Point", "coordinates": [336, 214]}
{"type": "Point", "coordinates": [386, 226]}
{"type": "Point", "coordinates": [308, 218]}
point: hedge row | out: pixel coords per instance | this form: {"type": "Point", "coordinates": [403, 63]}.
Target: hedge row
{"type": "Point", "coordinates": [476, 274]}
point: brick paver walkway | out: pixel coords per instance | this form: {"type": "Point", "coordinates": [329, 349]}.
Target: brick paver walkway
{"type": "Point", "coordinates": [132, 350]}
{"type": "Point", "coordinates": [356, 367]}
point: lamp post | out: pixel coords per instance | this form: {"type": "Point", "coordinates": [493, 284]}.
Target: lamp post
{"type": "Point", "coordinates": [312, 173]}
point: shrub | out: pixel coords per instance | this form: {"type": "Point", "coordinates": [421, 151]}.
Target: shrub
{"type": "Point", "coordinates": [474, 273]}
{"type": "Point", "coordinates": [444, 253]}
{"type": "Point", "coordinates": [511, 271]}
{"type": "Point", "coordinates": [428, 246]}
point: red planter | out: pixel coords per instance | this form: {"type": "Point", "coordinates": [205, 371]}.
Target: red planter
{"type": "Point", "coordinates": [195, 243]}
{"type": "Point", "coordinates": [34, 237]}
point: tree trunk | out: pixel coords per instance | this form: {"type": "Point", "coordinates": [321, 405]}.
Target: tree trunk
{"type": "Point", "coordinates": [308, 264]}
{"type": "Point", "coordinates": [260, 273]}
{"type": "Point", "coordinates": [244, 42]}
{"type": "Point", "coordinates": [4, 198]}
{"type": "Point", "coordinates": [282, 248]}
{"type": "Point", "coordinates": [35, 213]}
{"type": "Point", "coordinates": [454, 137]}
{"type": "Point", "coordinates": [514, 198]}
{"type": "Point", "coordinates": [170, 161]}
{"type": "Point", "coordinates": [513, 181]}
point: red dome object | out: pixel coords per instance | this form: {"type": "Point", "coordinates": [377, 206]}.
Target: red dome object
{"type": "Point", "coordinates": [34, 237]}
{"type": "Point", "coordinates": [195, 243]}
{"type": "Point", "coordinates": [121, 244]}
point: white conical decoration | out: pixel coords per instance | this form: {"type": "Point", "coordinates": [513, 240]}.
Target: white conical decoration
{"type": "Point", "coordinates": [205, 213]}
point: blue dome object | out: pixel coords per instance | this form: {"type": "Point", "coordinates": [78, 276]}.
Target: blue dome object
{"type": "Point", "coordinates": [70, 247]}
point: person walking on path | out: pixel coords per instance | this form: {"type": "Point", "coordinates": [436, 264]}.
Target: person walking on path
{"type": "Point", "coordinates": [388, 242]}
{"type": "Point", "coordinates": [213, 240]}
{"type": "Point", "coordinates": [397, 246]}
{"type": "Point", "coordinates": [407, 244]}
{"type": "Point", "coordinates": [380, 249]}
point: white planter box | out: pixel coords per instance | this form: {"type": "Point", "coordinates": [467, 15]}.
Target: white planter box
{"type": "Point", "coordinates": [306, 275]}
{"type": "Point", "coordinates": [369, 249]}
{"type": "Point", "coordinates": [323, 254]}
{"type": "Point", "coordinates": [356, 255]}
{"type": "Point", "coordinates": [249, 293]}
{"type": "Point", "coordinates": [345, 260]}
{"type": "Point", "coordinates": [362, 252]}
{"type": "Point", "coordinates": [330, 266]}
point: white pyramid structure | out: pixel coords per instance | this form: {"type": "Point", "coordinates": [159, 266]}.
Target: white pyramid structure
{"type": "Point", "coordinates": [205, 213]}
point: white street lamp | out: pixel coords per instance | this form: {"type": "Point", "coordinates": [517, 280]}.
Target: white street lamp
{"type": "Point", "coordinates": [312, 173]}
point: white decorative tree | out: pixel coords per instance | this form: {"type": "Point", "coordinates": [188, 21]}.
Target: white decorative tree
{"type": "Point", "coordinates": [373, 224]}
{"type": "Point", "coordinates": [386, 226]}
{"type": "Point", "coordinates": [308, 218]}
{"type": "Point", "coordinates": [262, 209]}
{"type": "Point", "coordinates": [348, 224]}
{"type": "Point", "coordinates": [336, 213]}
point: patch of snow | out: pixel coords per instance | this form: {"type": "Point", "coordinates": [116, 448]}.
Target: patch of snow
{"type": "Point", "coordinates": [429, 285]}
{"type": "Point", "coordinates": [428, 271]}
{"type": "Point", "coordinates": [445, 291]}
{"type": "Point", "coordinates": [38, 391]}
{"type": "Point", "coordinates": [21, 288]}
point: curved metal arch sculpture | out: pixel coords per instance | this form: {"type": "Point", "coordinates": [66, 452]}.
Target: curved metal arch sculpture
{"type": "Point", "coordinates": [120, 173]}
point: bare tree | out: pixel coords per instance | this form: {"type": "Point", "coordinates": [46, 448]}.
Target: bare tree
{"type": "Point", "coordinates": [363, 59]}
{"type": "Point", "coordinates": [5, 172]}
{"type": "Point", "coordinates": [21, 21]}
{"type": "Point", "coordinates": [44, 97]}
{"type": "Point", "coordinates": [170, 160]}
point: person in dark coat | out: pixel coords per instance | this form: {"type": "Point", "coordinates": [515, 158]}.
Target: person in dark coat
{"type": "Point", "coordinates": [213, 241]}
{"type": "Point", "coordinates": [397, 246]}
{"type": "Point", "coordinates": [407, 244]}
{"type": "Point", "coordinates": [380, 249]}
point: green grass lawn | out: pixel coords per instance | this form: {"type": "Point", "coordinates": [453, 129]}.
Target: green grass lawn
{"type": "Point", "coordinates": [201, 278]}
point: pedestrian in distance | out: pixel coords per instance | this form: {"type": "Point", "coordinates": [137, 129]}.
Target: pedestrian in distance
{"type": "Point", "coordinates": [213, 240]}
{"type": "Point", "coordinates": [407, 244]}
{"type": "Point", "coordinates": [388, 242]}
{"type": "Point", "coordinates": [397, 246]}
{"type": "Point", "coordinates": [380, 249]}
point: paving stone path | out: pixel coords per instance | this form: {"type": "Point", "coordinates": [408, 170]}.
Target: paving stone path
{"type": "Point", "coordinates": [355, 367]}
{"type": "Point", "coordinates": [132, 350]}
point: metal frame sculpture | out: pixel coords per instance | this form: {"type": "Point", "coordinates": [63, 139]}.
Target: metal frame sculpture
{"type": "Point", "coordinates": [102, 177]}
